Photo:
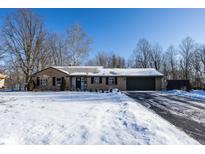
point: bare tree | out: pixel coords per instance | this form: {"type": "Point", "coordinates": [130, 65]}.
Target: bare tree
{"type": "Point", "coordinates": [141, 54]}
{"type": "Point", "coordinates": [107, 60]}
{"type": "Point", "coordinates": [171, 58]}
{"type": "Point", "coordinates": [1, 60]}
{"type": "Point", "coordinates": [1, 54]}
{"type": "Point", "coordinates": [101, 59]}
{"type": "Point", "coordinates": [56, 47]}
{"type": "Point", "coordinates": [165, 68]}
{"type": "Point", "coordinates": [116, 61]}
{"type": "Point", "coordinates": [202, 55]}
{"type": "Point", "coordinates": [78, 44]}
{"type": "Point", "coordinates": [52, 52]}
{"type": "Point", "coordinates": [122, 62]}
{"type": "Point", "coordinates": [44, 58]}
{"type": "Point", "coordinates": [24, 34]}
{"type": "Point", "coordinates": [156, 56]}
{"type": "Point", "coordinates": [196, 71]}
{"type": "Point", "coordinates": [113, 61]}
{"type": "Point", "coordinates": [15, 80]}
{"type": "Point", "coordinates": [186, 49]}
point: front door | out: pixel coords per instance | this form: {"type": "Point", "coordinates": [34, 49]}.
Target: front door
{"type": "Point", "coordinates": [78, 83]}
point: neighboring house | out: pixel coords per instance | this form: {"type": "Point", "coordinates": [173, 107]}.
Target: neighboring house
{"type": "Point", "coordinates": [2, 80]}
{"type": "Point", "coordinates": [96, 78]}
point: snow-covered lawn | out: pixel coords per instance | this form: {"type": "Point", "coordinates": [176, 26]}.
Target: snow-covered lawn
{"type": "Point", "coordinates": [196, 94]}
{"type": "Point", "coordinates": [82, 118]}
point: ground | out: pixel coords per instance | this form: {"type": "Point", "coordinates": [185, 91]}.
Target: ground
{"type": "Point", "coordinates": [186, 110]}
{"type": "Point", "coordinates": [82, 118]}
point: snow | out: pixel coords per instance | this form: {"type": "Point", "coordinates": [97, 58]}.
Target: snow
{"type": "Point", "coordinates": [82, 118]}
{"type": "Point", "coordinates": [78, 74]}
{"type": "Point", "coordinates": [127, 72]}
{"type": "Point", "coordinates": [195, 94]}
{"type": "Point", "coordinates": [100, 71]}
{"type": "Point", "coordinates": [78, 69]}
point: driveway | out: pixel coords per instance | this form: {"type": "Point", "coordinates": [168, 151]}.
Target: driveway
{"type": "Point", "coordinates": [185, 113]}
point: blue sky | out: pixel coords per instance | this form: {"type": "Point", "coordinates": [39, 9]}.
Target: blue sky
{"type": "Point", "coordinates": [118, 30]}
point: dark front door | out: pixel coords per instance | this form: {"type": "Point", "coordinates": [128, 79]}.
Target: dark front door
{"type": "Point", "coordinates": [140, 83]}
{"type": "Point", "coordinates": [78, 83]}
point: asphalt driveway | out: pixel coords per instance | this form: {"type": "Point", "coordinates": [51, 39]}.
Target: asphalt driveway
{"type": "Point", "coordinates": [185, 113]}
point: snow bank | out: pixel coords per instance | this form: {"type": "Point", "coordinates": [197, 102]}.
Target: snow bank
{"type": "Point", "coordinates": [82, 118]}
{"type": "Point", "coordinates": [196, 94]}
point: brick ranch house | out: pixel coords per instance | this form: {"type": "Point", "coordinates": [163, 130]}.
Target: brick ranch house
{"type": "Point", "coordinates": [96, 78]}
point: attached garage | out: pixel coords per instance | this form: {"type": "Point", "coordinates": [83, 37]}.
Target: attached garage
{"type": "Point", "coordinates": [140, 83]}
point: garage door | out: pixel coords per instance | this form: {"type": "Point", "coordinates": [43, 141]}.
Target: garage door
{"type": "Point", "coordinates": [140, 83]}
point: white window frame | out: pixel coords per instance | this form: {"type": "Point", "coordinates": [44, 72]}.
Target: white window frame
{"type": "Point", "coordinates": [96, 80]}
{"type": "Point", "coordinates": [111, 80]}
{"type": "Point", "coordinates": [43, 82]}
{"type": "Point", "coordinates": [58, 81]}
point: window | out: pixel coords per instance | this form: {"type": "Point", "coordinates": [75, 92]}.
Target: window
{"type": "Point", "coordinates": [111, 80]}
{"type": "Point", "coordinates": [58, 81]}
{"type": "Point", "coordinates": [43, 82]}
{"type": "Point", "coordinates": [96, 80]}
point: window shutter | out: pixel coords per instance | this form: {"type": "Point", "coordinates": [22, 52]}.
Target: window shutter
{"type": "Point", "coordinates": [54, 81]}
{"type": "Point", "coordinates": [106, 80]}
{"type": "Point", "coordinates": [38, 81]}
{"type": "Point", "coordinates": [100, 79]}
{"type": "Point", "coordinates": [116, 80]}
{"type": "Point", "coordinates": [92, 80]}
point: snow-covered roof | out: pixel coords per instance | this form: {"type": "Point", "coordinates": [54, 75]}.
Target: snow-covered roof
{"type": "Point", "coordinates": [78, 69]}
{"type": "Point", "coordinates": [101, 71]}
{"type": "Point", "coordinates": [78, 74]}
{"type": "Point", "coordinates": [127, 72]}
